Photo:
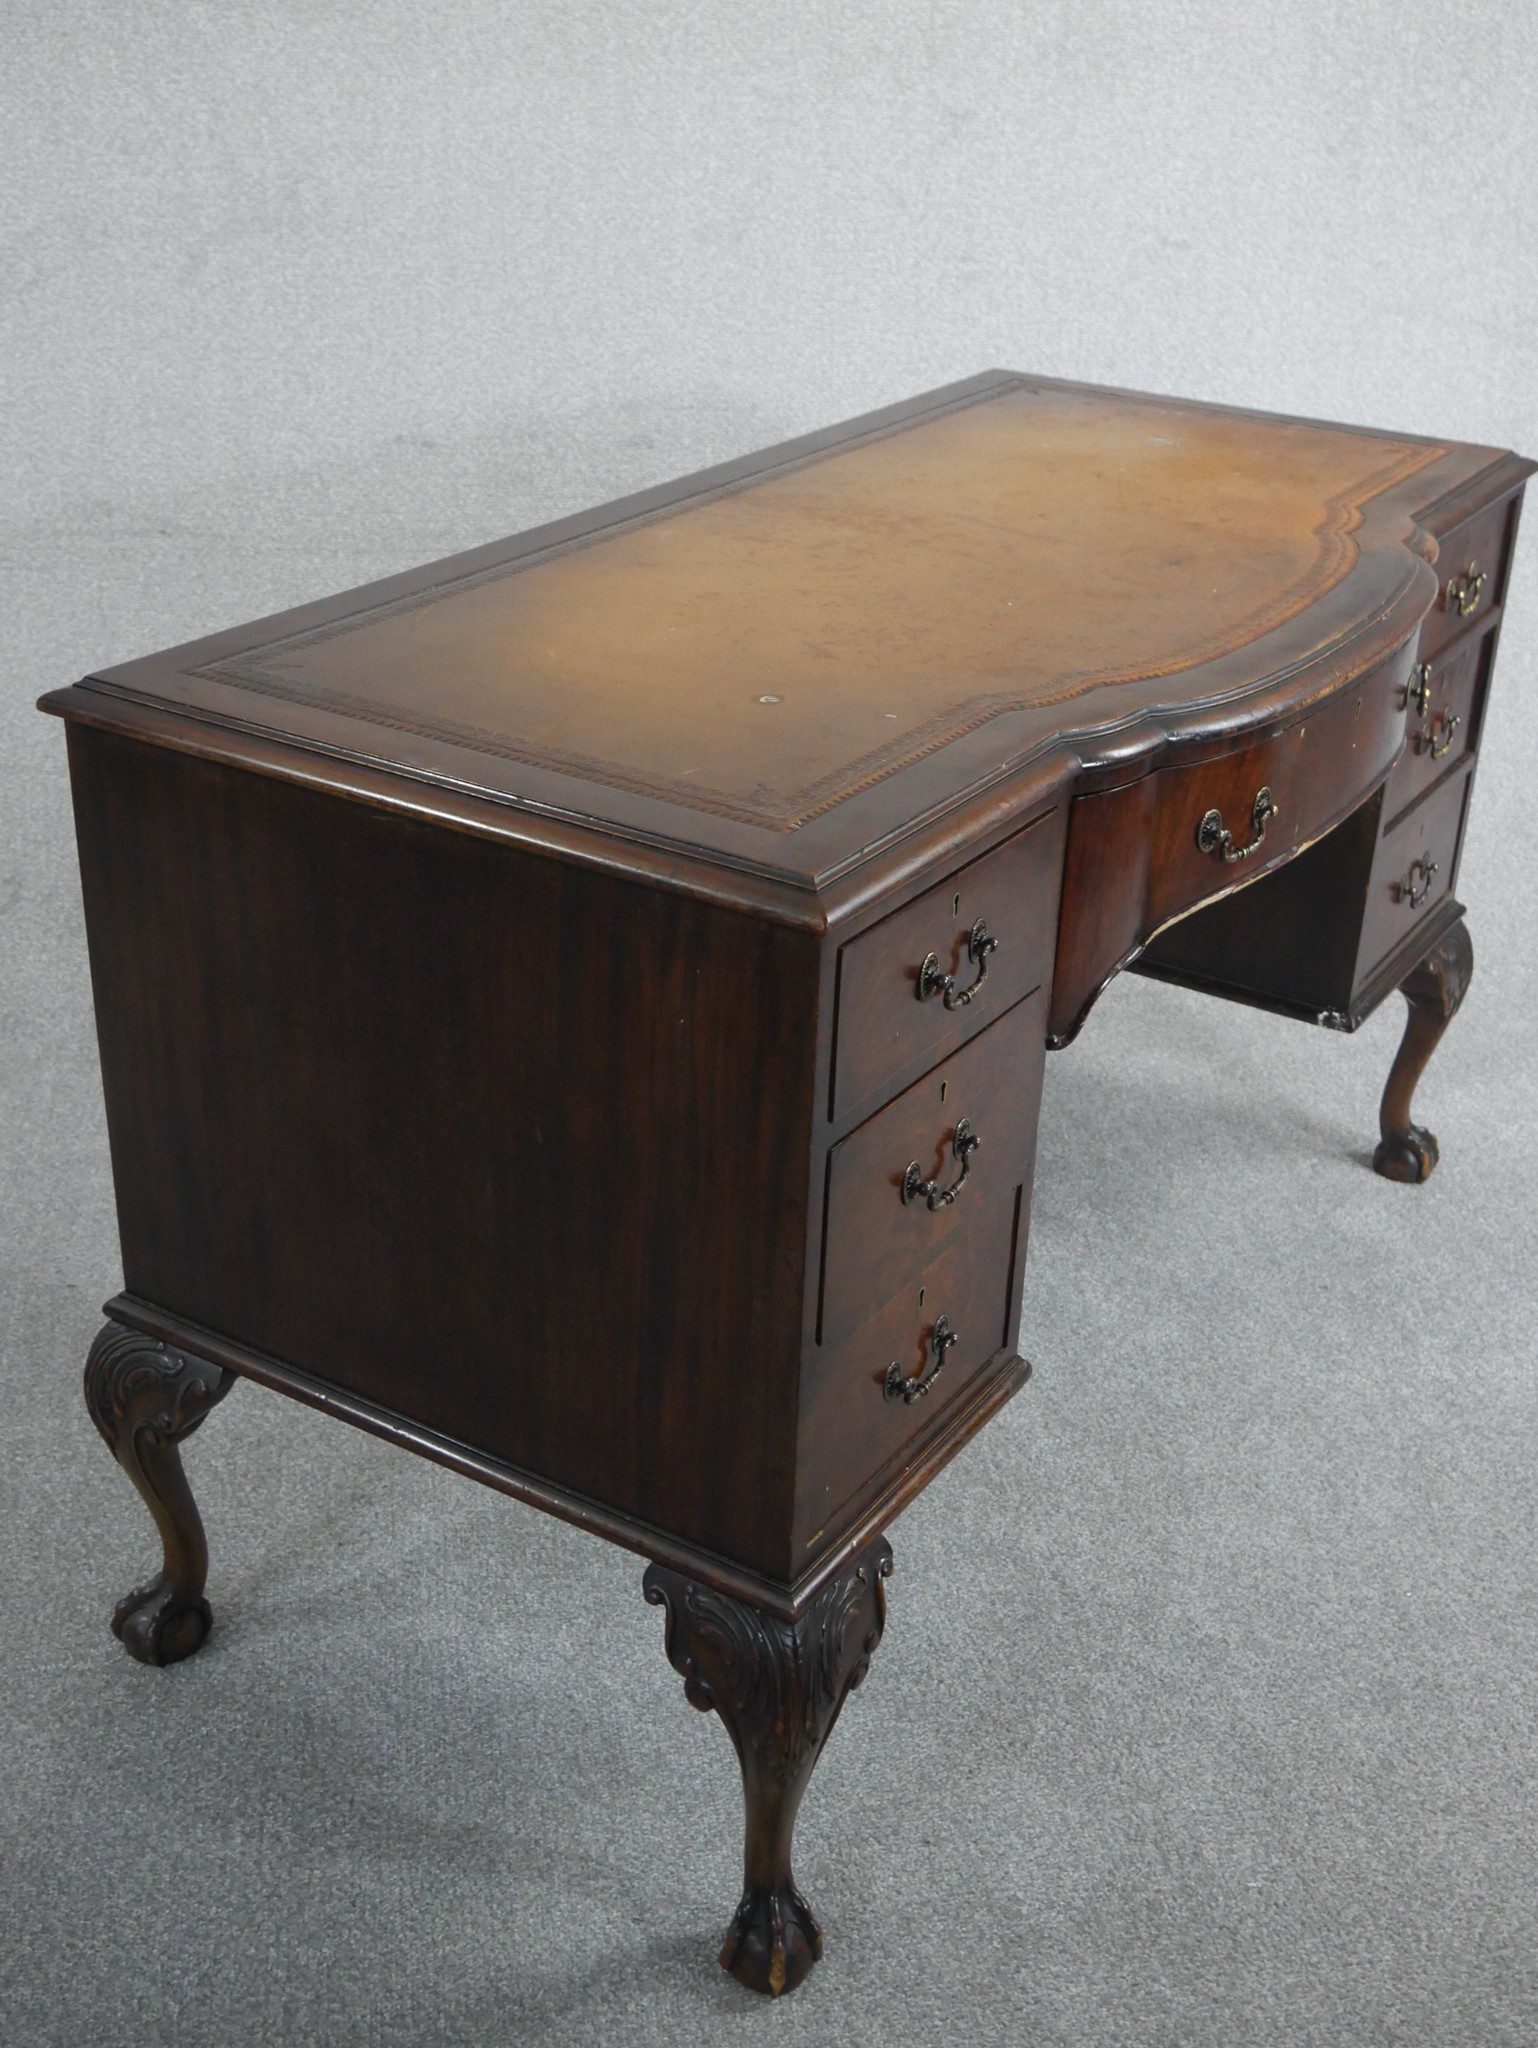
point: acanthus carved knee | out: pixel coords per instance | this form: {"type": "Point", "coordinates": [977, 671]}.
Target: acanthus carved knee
{"type": "Point", "coordinates": [778, 1685]}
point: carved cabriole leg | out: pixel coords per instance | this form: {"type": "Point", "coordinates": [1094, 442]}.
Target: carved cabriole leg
{"type": "Point", "coordinates": [1433, 991]}
{"type": "Point", "coordinates": [778, 1685]}
{"type": "Point", "coordinates": [145, 1399]}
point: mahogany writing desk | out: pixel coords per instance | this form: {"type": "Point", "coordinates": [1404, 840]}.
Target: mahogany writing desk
{"type": "Point", "coordinates": [579, 1009]}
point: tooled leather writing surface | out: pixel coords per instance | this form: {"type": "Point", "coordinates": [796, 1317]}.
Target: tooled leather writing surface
{"type": "Point", "coordinates": [765, 652]}
{"type": "Point", "coordinates": [927, 598]}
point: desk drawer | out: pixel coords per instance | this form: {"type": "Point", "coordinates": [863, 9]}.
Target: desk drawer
{"type": "Point", "coordinates": [1141, 856]}
{"type": "Point", "coordinates": [876, 1239]}
{"type": "Point", "coordinates": [886, 1031]}
{"type": "Point", "coordinates": [1471, 563]}
{"type": "Point", "coordinates": [1315, 771]}
{"type": "Point", "coordinates": [1412, 871]}
{"type": "Point", "coordinates": [1446, 698]}
{"type": "Point", "coordinates": [860, 1406]}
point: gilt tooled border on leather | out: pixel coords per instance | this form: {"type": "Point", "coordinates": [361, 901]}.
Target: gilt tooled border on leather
{"type": "Point", "coordinates": [777, 810]}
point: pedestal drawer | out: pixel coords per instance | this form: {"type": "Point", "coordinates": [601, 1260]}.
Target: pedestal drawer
{"type": "Point", "coordinates": [893, 1020]}
{"type": "Point", "coordinates": [1412, 871]}
{"type": "Point", "coordinates": [1471, 562]}
{"type": "Point", "coordinates": [895, 1377]}
{"type": "Point", "coordinates": [946, 1156]}
{"type": "Point", "coordinates": [1445, 699]}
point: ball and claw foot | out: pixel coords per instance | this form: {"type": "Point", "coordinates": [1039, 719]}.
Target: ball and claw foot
{"type": "Point", "coordinates": [146, 1399]}
{"type": "Point", "coordinates": [1407, 1155]}
{"type": "Point", "coordinates": [1433, 989]}
{"type": "Point", "coordinates": [156, 1626]}
{"type": "Point", "coordinates": [773, 1940]}
{"type": "Point", "coordinates": [778, 1686]}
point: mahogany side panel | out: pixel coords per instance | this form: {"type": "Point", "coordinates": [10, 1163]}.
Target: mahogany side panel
{"type": "Point", "coordinates": [516, 1148]}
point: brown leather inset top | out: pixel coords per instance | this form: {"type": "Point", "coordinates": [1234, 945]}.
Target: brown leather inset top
{"type": "Point", "coordinates": [998, 562]}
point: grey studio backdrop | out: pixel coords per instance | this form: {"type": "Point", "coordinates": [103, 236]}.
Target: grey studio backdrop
{"type": "Point", "coordinates": [1206, 1711]}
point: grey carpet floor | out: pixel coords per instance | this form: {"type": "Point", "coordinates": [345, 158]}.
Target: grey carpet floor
{"type": "Point", "coordinates": [1205, 1714]}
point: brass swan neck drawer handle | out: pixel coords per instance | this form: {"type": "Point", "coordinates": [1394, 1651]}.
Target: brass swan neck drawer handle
{"type": "Point", "coordinates": [980, 943]}
{"type": "Point", "coordinates": [1418, 690]}
{"type": "Point", "coordinates": [900, 1387]}
{"type": "Point", "coordinates": [930, 1192]}
{"type": "Point", "coordinates": [1212, 836]}
{"type": "Point", "coordinates": [1464, 592]}
{"type": "Point", "coordinates": [1410, 892]}
{"type": "Point", "coordinates": [1436, 735]}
